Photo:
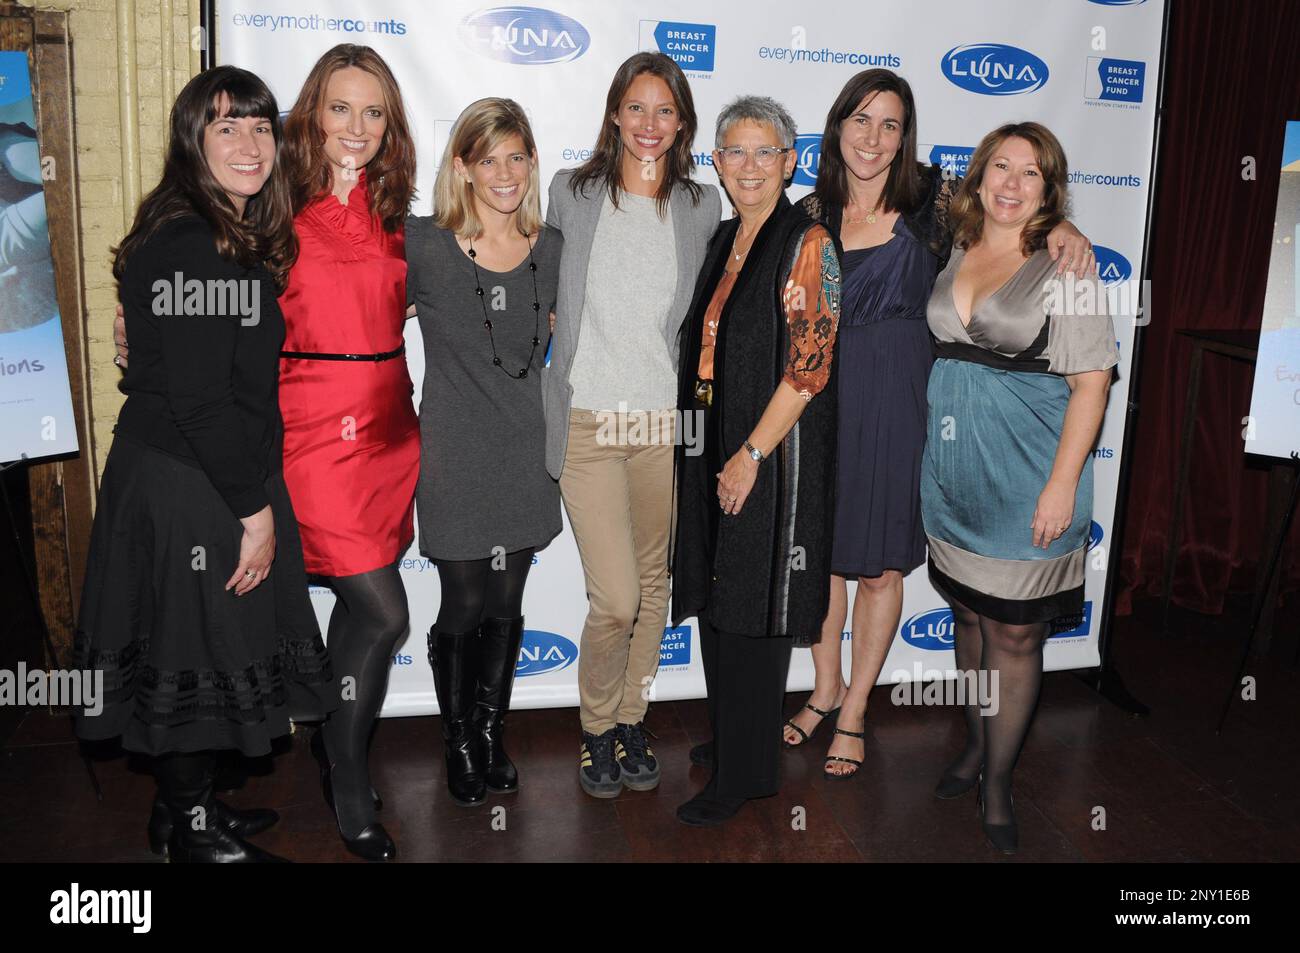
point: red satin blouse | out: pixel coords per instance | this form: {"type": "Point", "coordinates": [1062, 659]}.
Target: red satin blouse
{"type": "Point", "coordinates": [352, 440]}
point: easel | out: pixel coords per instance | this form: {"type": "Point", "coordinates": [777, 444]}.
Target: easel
{"type": "Point", "coordinates": [29, 583]}
{"type": "Point", "coordinates": [1263, 592]}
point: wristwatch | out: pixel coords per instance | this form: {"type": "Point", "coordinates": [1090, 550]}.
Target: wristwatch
{"type": "Point", "coordinates": [754, 452]}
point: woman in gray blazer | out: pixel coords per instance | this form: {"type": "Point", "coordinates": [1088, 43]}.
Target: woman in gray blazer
{"type": "Point", "coordinates": [635, 227]}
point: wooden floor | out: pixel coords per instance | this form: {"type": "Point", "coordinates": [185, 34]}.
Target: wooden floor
{"type": "Point", "coordinates": [1169, 787]}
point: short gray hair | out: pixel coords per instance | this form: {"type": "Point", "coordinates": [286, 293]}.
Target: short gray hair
{"type": "Point", "coordinates": [759, 109]}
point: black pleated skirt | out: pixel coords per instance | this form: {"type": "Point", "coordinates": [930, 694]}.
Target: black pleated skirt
{"type": "Point", "coordinates": [186, 665]}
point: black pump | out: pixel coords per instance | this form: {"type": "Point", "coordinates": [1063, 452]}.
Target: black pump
{"type": "Point", "coordinates": [373, 843]}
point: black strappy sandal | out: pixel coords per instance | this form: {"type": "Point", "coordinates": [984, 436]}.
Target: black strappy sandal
{"type": "Point", "coordinates": [807, 735]}
{"type": "Point", "coordinates": [831, 775]}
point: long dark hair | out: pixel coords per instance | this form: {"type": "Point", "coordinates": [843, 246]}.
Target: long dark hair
{"type": "Point", "coordinates": [904, 187]}
{"type": "Point", "coordinates": [264, 235]}
{"type": "Point", "coordinates": [390, 175]}
{"type": "Point", "coordinates": [605, 167]}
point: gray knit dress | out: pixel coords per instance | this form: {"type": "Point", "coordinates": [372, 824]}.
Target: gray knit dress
{"type": "Point", "coordinates": [483, 480]}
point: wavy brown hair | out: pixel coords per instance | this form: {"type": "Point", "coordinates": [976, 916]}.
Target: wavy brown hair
{"type": "Point", "coordinates": [605, 167]}
{"type": "Point", "coordinates": [967, 211]}
{"type": "Point", "coordinates": [263, 235]}
{"type": "Point", "coordinates": [904, 187]}
{"type": "Point", "coordinates": [390, 175]}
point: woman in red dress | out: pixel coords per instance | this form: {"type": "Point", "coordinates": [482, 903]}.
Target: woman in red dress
{"type": "Point", "coordinates": [352, 440]}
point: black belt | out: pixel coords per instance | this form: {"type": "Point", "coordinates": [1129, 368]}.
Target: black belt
{"type": "Point", "coordinates": [973, 353]}
{"type": "Point", "coordinates": [316, 356]}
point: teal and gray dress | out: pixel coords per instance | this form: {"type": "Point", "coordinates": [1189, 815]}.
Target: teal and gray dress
{"type": "Point", "coordinates": [997, 397]}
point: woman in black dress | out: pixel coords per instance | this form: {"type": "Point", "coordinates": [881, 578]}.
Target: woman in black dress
{"type": "Point", "coordinates": [890, 216]}
{"type": "Point", "coordinates": [195, 605]}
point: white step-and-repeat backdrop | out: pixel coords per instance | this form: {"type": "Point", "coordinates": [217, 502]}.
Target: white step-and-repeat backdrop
{"type": "Point", "coordinates": [1085, 68]}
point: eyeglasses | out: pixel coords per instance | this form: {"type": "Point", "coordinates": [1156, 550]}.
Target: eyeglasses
{"type": "Point", "coordinates": [763, 155]}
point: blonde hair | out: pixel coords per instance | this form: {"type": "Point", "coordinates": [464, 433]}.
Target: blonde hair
{"type": "Point", "coordinates": [479, 130]}
{"type": "Point", "coordinates": [966, 213]}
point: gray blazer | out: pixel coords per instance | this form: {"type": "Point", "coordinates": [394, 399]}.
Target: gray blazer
{"type": "Point", "coordinates": [576, 218]}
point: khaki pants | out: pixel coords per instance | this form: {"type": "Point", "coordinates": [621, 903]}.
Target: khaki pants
{"type": "Point", "coordinates": [618, 494]}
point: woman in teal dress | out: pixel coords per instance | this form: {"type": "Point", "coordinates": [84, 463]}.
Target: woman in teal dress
{"type": "Point", "coordinates": [1016, 399]}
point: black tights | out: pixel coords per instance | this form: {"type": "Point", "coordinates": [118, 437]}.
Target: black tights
{"type": "Point", "coordinates": [369, 619]}
{"type": "Point", "coordinates": [1015, 653]}
{"type": "Point", "coordinates": [478, 589]}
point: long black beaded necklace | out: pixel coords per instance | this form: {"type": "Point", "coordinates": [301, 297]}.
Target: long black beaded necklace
{"type": "Point", "coordinates": [487, 322]}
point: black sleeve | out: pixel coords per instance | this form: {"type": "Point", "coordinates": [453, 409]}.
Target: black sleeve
{"type": "Point", "coordinates": [198, 359]}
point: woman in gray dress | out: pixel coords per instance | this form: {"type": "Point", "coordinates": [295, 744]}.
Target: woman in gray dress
{"type": "Point", "coordinates": [482, 275]}
{"type": "Point", "coordinates": [1016, 400]}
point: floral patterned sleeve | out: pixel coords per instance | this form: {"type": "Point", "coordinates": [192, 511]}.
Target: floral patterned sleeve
{"type": "Point", "coordinates": [812, 311]}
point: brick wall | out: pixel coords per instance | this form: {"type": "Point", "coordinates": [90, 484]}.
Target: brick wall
{"type": "Point", "coordinates": [115, 167]}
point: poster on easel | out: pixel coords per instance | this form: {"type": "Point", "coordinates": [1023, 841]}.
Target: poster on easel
{"type": "Point", "coordinates": [35, 396]}
{"type": "Point", "coordinates": [1273, 428]}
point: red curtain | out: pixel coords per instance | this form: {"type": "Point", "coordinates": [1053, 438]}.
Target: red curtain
{"type": "Point", "coordinates": [1232, 81]}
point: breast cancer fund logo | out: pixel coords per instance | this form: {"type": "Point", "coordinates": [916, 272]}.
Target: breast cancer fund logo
{"type": "Point", "coordinates": [675, 647]}
{"type": "Point", "coordinates": [953, 160]}
{"type": "Point", "coordinates": [529, 36]}
{"type": "Point", "coordinates": [1072, 626]}
{"type": "Point", "coordinates": [1113, 82]}
{"type": "Point", "coordinates": [690, 45]}
{"type": "Point", "coordinates": [993, 69]}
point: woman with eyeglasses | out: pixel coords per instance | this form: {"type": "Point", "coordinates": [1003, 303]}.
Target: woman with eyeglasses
{"type": "Point", "coordinates": [754, 508]}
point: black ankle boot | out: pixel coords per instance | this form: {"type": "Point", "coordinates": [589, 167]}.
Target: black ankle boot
{"type": "Point", "coordinates": [454, 658]}
{"type": "Point", "coordinates": [198, 834]}
{"type": "Point", "coordinates": [500, 640]}
{"type": "Point", "coordinates": [240, 823]}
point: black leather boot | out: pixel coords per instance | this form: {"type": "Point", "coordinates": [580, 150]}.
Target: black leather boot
{"type": "Point", "coordinates": [454, 658]}
{"type": "Point", "coordinates": [240, 823]}
{"type": "Point", "coordinates": [501, 639]}
{"type": "Point", "coordinates": [198, 835]}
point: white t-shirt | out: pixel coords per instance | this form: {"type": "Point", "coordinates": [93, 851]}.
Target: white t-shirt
{"type": "Point", "coordinates": [622, 357]}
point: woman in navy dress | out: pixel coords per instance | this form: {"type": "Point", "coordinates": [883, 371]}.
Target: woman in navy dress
{"type": "Point", "coordinates": [889, 214]}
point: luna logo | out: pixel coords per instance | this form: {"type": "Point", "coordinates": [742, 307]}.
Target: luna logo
{"type": "Point", "coordinates": [1094, 534]}
{"type": "Point", "coordinates": [932, 630]}
{"type": "Point", "coordinates": [543, 652]}
{"type": "Point", "coordinates": [993, 69]}
{"type": "Point", "coordinates": [1111, 265]}
{"type": "Point", "coordinates": [809, 150]}
{"type": "Point", "coordinates": [527, 35]}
